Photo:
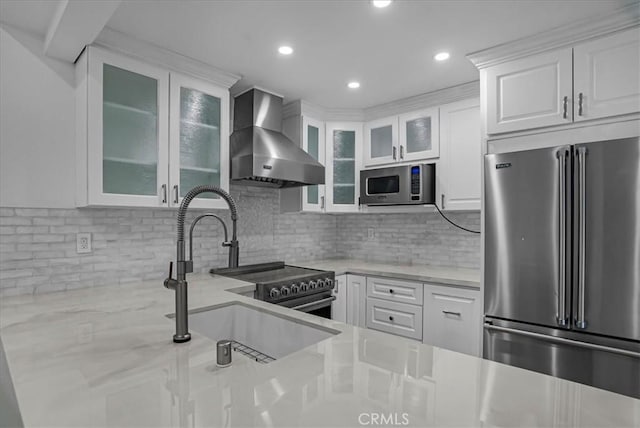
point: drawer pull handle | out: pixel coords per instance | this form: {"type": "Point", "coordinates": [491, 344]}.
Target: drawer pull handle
{"type": "Point", "coordinates": [391, 290]}
{"type": "Point", "coordinates": [457, 314]}
{"type": "Point", "coordinates": [391, 319]}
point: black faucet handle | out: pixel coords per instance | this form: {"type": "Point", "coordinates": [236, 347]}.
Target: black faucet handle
{"type": "Point", "coordinates": [170, 283]}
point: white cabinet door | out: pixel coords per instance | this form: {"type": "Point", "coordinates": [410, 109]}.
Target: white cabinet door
{"type": "Point", "coordinates": [458, 169]}
{"type": "Point", "coordinates": [198, 140]}
{"type": "Point", "coordinates": [339, 306]}
{"type": "Point", "coordinates": [419, 135]}
{"type": "Point", "coordinates": [127, 132]}
{"type": "Point", "coordinates": [344, 146]}
{"type": "Point", "coordinates": [452, 318]}
{"type": "Point", "coordinates": [530, 93]}
{"type": "Point", "coordinates": [607, 76]}
{"type": "Point", "coordinates": [313, 142]}
{"type": "Point", "coordinates": [381, 141]}
{"type": "Point", "coordinates": [356, 300]}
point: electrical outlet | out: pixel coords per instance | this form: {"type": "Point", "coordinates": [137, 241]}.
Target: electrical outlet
{"type": "Point", "coordinates": [83, 243]}
{"type": "Point", "coordinates": [371, 233]}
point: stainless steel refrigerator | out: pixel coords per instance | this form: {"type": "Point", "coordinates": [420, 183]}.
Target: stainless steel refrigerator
{"type": "Point", "coordinates": [562, 262]}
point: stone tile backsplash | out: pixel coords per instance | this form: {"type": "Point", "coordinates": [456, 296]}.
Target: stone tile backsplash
{"type": "Point", "coordinates": [420, 239]}
{"type": "Point", "coordinates": [38, 246]}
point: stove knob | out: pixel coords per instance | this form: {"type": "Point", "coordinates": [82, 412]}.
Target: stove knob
{"type": "Point", "coordinates": [304, 286]}
{"type": "Point", "coordinates": [321, 283]}
{"type": "Point", "coordinates": [285, 291]}
{"type": "Point", "coordinates": [295, 289]}
{"type": "Point", "coordinates": [313, 285]}
{"type": "Point", "coordinates": [274, 293]}
{"type": "Point", "coordinates": [328, 282]}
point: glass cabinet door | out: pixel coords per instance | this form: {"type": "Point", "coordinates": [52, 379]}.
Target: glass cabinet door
{"type": "Point", "coordinates": [419, 135]}
{"type": "Point", "coordinates": [199, 140]}
{"type": "Point", "coordinates": [127, 121]}
{"type": "Point", "coordinates": [381, 141]}
{"type": "Point", "coordinates": [313, 197]}
{"type": "Point", "coordinates": [344, 141]}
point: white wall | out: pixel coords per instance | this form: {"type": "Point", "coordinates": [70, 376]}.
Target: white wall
{"type": "Point", "coordinates": [37, 116]}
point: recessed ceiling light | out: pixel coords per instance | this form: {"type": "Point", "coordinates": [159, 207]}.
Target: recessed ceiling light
{"type": "Point", "coordinates": [285, 50]}
{"type": "Point", "coordinates": [381, 3]}
{"type": "Point", "coordinates": [353, 85]}
{"type": "Point", "coordinates": [441, 56]}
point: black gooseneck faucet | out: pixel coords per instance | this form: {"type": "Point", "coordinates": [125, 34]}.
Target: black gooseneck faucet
{"type": "Point", "coordinates": [183, 266]}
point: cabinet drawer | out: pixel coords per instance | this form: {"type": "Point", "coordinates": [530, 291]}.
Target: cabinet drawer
{"type": "Point", "coordinates": [452, 319]}
{"type": "Point", "coordinates": [395, 318]}
{"type": "Point", "coordinates": [395, 290]}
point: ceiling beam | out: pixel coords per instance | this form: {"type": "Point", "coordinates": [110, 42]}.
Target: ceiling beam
{"type": "Point", "coordinates": [76, 24]}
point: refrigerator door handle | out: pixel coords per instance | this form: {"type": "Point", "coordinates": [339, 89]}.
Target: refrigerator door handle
{"type": "Point", "coordinates": [563, 341]}
{"type": "Point", "coordinates": [561, 315]}
{"type": "Point", "coordinates": [580, 321]}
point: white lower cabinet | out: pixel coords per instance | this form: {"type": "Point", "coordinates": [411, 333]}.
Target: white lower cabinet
{"type": "Point", "coordinates": [339, 306]}
{"type": "Point", "coordinates": [445, 316]}
{"type": "Point", "coordinates": [356, 300]}
{"type": "Point", "coordinates": [452, 318]}
{"type": "Point", "coordinates": [396, 318]}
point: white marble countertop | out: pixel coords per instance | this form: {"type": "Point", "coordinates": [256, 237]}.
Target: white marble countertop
{"type": "Point", "coordinates": [442, 275]}
{"type": "Point", "coordinates": [104, 357]}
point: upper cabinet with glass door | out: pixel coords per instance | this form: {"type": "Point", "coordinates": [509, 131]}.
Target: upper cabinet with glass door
{"type": "Point", "coordinates": [381, 141]}
{"type": "Point", "coordinates": [344, 142]}
{"type": "Point", "coordinates": [408, 137]}
{"type": "Point", "coordinates": [313, 142]}
{"type": "Point", "coordinates": [131, 150]}
{"type": "Point", "coordinates": [419, 135]}
{"type": "Point", "coordinates": [123, 107]}
{"type": "Point", "coordinates": [199, 130]}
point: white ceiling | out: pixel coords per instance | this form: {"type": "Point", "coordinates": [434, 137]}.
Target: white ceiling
{"type": "Point", "coordinates": [390, 51]}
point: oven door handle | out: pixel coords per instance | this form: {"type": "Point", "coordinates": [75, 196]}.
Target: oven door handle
{"type": "Point", "coordinates": [310, 304]}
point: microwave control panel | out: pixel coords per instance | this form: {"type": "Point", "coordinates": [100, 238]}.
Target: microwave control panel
{"type": "Point", "coordinates": [415, 183]}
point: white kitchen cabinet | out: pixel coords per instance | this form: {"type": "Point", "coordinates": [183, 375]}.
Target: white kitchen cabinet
{"type": "Point", "coordinates": [198, 140]}
{"type": "Point", "coordinates": [125, 153]}
{"type": "Point", "coordinates": [412, 136]}
{"type": "Point", "coordinates": [381, 141]}
{"type": "Point", "coordinates": [344, 152]}
{"type": "Point", "coordinates": [459, 167]}
{"type": "Point", "coordinates": [531, 92]}
{"type": "Point", "coordinates": [401, 319]}
{"type": "Point", "coordinates": [419, 135]}
{"type": "Point", "coordinates": [122, 148]}
{"type": "Point", "coordinates": [339, 305]}
{"type": "Point", "coordinates": [313, 142]}
{"type": "Point", "coordinates": [356, 300]}
{"type": "Point", "coordinates": [606, 76]}
{"type": "Point", "coordinates": [452, 318]}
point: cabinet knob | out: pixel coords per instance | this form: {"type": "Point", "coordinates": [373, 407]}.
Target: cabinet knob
{"type": "Point", "coordinates": [391, 319]}
{"type": "Point", "coordinates": [391, 290]}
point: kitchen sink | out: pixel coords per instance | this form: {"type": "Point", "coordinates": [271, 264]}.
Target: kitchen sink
{"type": "Point", "coordinates": [259, 333]}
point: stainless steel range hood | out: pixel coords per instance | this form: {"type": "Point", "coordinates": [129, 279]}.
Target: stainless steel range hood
{"type": "Point", "coordinates": [260, 154]}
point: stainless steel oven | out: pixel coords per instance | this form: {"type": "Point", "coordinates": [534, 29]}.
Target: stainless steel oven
{"type": "Point", "coordinates": [399, 185]}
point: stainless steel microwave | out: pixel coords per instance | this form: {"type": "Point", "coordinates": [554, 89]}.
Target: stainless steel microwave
{"type": "Point", "coordinates": [399, 185]}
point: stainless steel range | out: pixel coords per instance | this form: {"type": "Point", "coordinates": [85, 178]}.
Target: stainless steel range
{"type": "Point", "coordinates": [303, 289]}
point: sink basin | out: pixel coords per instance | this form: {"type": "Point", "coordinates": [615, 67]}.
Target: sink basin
{"type": "Point", "coordinates": [270, 333]}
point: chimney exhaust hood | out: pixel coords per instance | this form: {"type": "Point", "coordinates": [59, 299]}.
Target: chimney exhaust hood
{"type": "Point", "coordinates": [261, 155]}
